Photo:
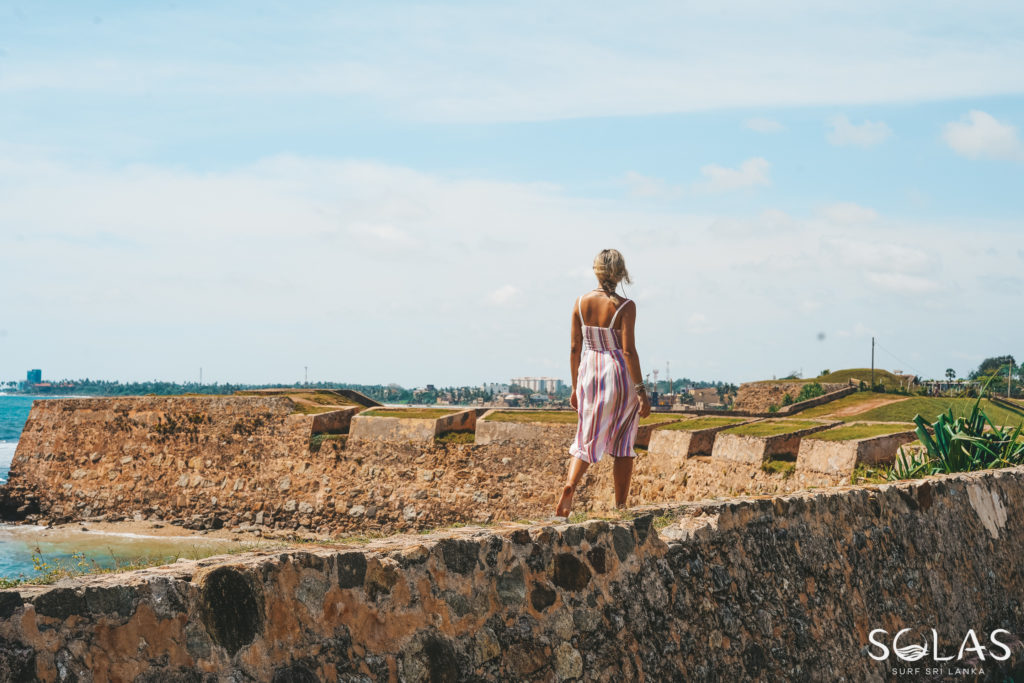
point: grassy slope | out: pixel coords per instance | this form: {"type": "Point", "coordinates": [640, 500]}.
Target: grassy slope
{"type": "Point", "coordinates": [831, 407]}
{"type": "Point", "coordinates": [413, 413]}
{"type": "Point", "coordinates": [852, 431]}
{"type": "Point", "coordinates": [703, 423]}
{"type": "Point", "coordinates": [860, 374]}
{"type": "Point", "coordinates": [771, 427]}
{"type": "Point", "coordinates": [561, 417]}
{"type": "Point", "coordinates": [930, 407]}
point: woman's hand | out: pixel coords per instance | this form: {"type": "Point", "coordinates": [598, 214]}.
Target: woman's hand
{"type": "Point", "coordinates": [645, 404]}
{"type": "Point", "coordinates": [573, 401]}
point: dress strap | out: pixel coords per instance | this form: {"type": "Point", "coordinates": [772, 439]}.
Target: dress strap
{"type": "Point", "coordinates": [579, 308]}
{"type": "Point", "coordinates": [611, 325]}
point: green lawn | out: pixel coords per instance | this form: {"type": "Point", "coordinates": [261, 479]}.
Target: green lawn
{"type": "Point", "coordinates": [771, 427]}
{"type": "Point", "coordinates": [545, 416]}
{"type": "Point", "coordinates": [929, 408]}
{"type": "Point", "coordinates": [655, 418]}
{"type": "Point", "coordinates": [409, 413]}
{"type": "Point", "coordinates": [858, 398]}
{"type": "Point", "coordinates": [851, 431]}
{"type": "Point", "coordinates": [861, 375]}
{"type": "Point", "coordinates": [703, 423]}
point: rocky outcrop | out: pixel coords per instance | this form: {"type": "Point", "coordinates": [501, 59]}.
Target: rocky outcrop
{"type": "Point", "coordinates": [782, 588]}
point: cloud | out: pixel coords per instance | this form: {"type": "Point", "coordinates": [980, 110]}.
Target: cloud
{"type": "Point", "coordinates": [384, 235]}
{"type": "Point", "coordinates": [642, 186]}
{"type": "Point", "coordinates": [982, 136]}
{"type": "Point", "coordinates": [751, 173]}
{"type": "Point", "coordinates": [848, 213]}
{"type": "Point", "coordinates": [902, 283]}
{"type": "Point", "coordinates": [866, 134]}
{"type": "Point", "coordinates": [258, 269]}
{"type": "Point", "coordinates": [763, 125]}
{"type": "Point", "coordinates": [504, 295]}
{"type": "Point", "coordinates": [489, 61]}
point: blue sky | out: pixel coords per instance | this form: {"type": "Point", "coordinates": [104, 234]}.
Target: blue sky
{"type": "Point", "coordinates": [413, 192]}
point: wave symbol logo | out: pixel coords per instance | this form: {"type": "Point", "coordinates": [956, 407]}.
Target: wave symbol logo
{"type": "Point", "coordinates": [909, 653]}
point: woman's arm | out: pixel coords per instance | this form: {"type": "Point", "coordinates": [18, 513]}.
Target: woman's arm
{"type": "Point", "coordinates": [575, 348]}
{"type": "Point", "coordinates": [632, 359]}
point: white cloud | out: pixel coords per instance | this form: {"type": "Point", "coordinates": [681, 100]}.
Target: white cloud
{"type": "Point", "coordinates": [489, 61]}
{"type": "Point", "coordinates": [642, 186]}
{"type": "Point", "coordinates": [254, 271]}
{"type": "Point", "coordinates": [982, 136]}
{"type": "Point", "coordinates": [848, 213]}
{"type": "Point", "coordinates": [763, 125]}
{"type": "Point", "coordinates": [385, 235]}
{"type": "Point", "coordinates": [751, 173]}
{"type": "Point", "coordinates": [504, 295]}
{"type": "Point", "coordinates": [902, 283]}
{"type": "Point", "coordinates": [866, 134]}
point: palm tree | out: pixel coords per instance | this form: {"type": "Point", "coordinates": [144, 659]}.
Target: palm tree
{"type": "Point", "coordinates": [950, 374]}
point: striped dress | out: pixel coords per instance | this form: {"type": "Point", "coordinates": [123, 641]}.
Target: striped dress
{"type": "Point", "coordinates": [607, 403]}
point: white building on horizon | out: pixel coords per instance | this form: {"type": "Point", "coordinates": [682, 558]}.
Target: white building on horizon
{"type": "Point", "coordinates": [540, 385]}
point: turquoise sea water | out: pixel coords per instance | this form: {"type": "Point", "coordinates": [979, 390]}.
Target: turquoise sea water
{"type": "Point", "coordinates": [19, 542]}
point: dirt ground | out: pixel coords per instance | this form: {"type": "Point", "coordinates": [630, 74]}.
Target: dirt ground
{"type": "Point", "coordinates": [864, 407]}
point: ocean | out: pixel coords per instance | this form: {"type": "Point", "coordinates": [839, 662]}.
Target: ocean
{"type": "Point", "coordinates": [13, 413]}
{"type": "Point", "coordinates": [20, 544]}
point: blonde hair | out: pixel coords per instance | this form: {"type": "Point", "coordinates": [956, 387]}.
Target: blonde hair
{"type": "Point", "coordinates": [610, 269]}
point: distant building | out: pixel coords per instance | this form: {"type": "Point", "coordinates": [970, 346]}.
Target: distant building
{"type": "Point", "coordinates": [706, 395]}
{"type": "Point", "coordinates": [34, 376]}
{"type": "Point", "coordinates": [494, 388]}
{"type": "Point", "coordinates": [540, 385]}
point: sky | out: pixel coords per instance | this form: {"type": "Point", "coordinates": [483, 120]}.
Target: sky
{"type": "Point", "coordinates": [414, 192]}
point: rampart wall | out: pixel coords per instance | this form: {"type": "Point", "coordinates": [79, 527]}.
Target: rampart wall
{"type": "Point", "coordinates": [248, 463]}
{"type": "Point", "coordinates": [782, 588]}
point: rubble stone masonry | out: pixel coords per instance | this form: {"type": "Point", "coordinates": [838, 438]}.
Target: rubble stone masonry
{"type": "Point", "coordinates": [759, 589]}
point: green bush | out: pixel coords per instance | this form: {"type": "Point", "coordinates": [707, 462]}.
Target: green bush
{"type": "Point", "coordinates": [961, 444]}
{"type": "Point", "coordinates": [809, 391]}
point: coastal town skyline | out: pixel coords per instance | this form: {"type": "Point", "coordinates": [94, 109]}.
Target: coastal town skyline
{"type": "Point", "coordinates": [414, 192]}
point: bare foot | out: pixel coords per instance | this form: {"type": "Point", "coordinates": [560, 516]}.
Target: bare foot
{"type": "Point", "coordinates": [565, 502]}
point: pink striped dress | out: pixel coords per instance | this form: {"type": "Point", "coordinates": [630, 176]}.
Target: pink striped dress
{"type": "Point", "coordinates": [607, 403]}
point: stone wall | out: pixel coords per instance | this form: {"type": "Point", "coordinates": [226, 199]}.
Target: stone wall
{"type": "Point", "coordinates": [757, 449]}
{"type": "Point", "coordinates": [410, 430]}
{"type": "Point", "coordinates": [841, 457]}
{"type": "Point", "coordinates": [247, 463]}
{"type": "Point", "coordinates": [783, 588]}
{"type": "Point", "coordinates": [759, 397]}
{"type": "Point", "coordinates": [668, 446]}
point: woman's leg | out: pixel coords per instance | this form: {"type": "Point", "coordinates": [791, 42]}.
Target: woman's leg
{"type": "Point", "coordinates": [622, 473]}
{"type": "Point", "coordinates": [576, 471]}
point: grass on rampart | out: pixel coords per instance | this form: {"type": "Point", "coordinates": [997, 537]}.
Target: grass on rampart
{"type": "Point", "coordinates": [850, 401]}
{"type": "Point", "coordinates": [855, 430]}
{"type": "Point", "coordinates": [542, 416]}
{"type": "Point", "coordinates": [696, 423]}
{"type": "Point", "coordinates": [455, 437]}
{"type": "Point", "coordinates": [408, 413]}
{"type": "Point", "coordinates": [783, 467]}
{"type": "Point", "coordinates": [929, 408]}
{"type": "Point", "coordinates": [771, 427]}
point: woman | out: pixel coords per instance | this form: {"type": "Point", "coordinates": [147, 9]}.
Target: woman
{"type": "Point", "coordinates": [607, 387]}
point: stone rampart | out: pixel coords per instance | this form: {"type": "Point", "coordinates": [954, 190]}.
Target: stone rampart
{"type": "Point", "coordinates": [668, 447]}
{"type": "Point", "coordinates": [410, 429]}
{"type": "Point", "coordinates": [757, 449]}
{"type": "Point", "coordinates": [759, 397]}
{"type": "Point", "coordinates": [841, 457]}
{"type": "Point", "coordinates": [783, 588]}
{"type": "Point", "coordinates": [248, 463]}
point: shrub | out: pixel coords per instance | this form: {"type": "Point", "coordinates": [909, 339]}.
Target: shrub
{"type": "Point", "coordinates": [961, 444]}
{"type": "Point", "coordinates": [809, 391]}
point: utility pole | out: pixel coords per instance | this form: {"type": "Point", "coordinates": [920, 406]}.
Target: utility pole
{"type": "Point", "coordinates": [200, 376]}
{"type": "Point", "coordinates": [306, 368]}
{"type": "Point", "coordinates": [1009, 381]}
{"type": "Point", "coordinates": [872, 364]}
